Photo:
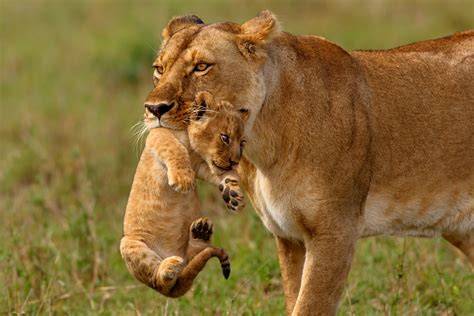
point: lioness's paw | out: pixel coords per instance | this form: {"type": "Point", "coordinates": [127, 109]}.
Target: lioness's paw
{"type": "Point", "coordinates": [181, 180]}
{"type": "Point", "coordinates": [231, 193]}
{"type": "Point", "coordinates": [169, 270]}
{"type": "Point", "coordinates": [202, 228]}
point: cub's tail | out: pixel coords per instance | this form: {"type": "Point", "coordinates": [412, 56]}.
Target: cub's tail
{"type": "Point", "coordinates": [225, 265]}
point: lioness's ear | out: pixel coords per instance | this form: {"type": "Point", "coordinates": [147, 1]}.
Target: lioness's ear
{"type": "Point", "coordinates": [178, 23]}
{"type": "Point", "coordinates": [244, 114]}
{"type": "Point", "coordinates": [257, 32]}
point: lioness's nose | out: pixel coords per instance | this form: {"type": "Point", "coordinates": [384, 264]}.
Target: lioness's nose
{"type": "Point", "coordinates": [160, 109]}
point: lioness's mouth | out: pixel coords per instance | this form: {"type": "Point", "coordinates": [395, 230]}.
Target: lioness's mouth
{"type": "Point", "coordinates": [151, 123]}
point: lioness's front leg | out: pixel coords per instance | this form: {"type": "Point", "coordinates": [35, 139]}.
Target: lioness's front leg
{"type": "Point", "coordinates": [327, 263]}
{"type": "Point", "coordinates": [464, 242]}
{"type": "Point", "coordinates": [291, 256]}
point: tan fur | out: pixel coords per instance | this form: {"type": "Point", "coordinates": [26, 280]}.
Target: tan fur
{"type": "Point", "coordinates": [340, 145]}
{"type": "Point", "coordinates": [166, 242]}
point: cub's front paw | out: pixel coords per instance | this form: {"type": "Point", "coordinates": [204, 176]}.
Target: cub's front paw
{"type": "Point", "coordinates": [231, 193]}
{"type": "Point", "coordinates": [181, 180]}
{"type": "Point", "coordinates": [202, 228]}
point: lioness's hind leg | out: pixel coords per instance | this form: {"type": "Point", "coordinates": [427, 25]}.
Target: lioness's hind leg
{"type": "Point", "coordinates": [464, 242]}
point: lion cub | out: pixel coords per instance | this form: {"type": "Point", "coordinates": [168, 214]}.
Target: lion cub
{"type": "Point", "coordinates": [166, 242]}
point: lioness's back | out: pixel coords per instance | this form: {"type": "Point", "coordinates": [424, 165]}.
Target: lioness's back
{"type": "Point", "coordinates": [427, 110]}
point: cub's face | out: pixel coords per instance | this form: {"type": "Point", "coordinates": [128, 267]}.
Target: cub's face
{"type": "Point", "coordinates": [225, 59]}
{"type": "Point", "coordinates": [216, 133]}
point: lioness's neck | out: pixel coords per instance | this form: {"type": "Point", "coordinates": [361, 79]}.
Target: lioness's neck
{"type": "Point", "coordinates": [304, 111]}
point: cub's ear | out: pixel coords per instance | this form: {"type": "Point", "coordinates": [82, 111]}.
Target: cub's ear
{"type": "Point", "coordinates": [244, 114]}
{"type": "Point", "coordinates": [204, 104]}
{"type": "Point", "coordinates": [257, 32]}
{"type": "Point", "coordinates": [178, 23]}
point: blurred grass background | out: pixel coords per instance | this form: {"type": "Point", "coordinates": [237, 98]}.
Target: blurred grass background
{"type": "Point", "coordinates": [73, 78]}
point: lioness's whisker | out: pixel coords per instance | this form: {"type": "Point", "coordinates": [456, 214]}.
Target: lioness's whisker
{"type": "Point", "coordinates": [139, 130]}
{"type": "Point", "coordinates": [137, 126]}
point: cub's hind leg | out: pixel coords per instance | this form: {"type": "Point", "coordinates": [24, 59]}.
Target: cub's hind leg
{"type": "Point", "coordinates": [199, 252]}
{"type": "Point", "coordinates": [464, 242]}
{"type": "Point", "coordinates": [147, 267]}
{"type": "Point", "coordinates": [200, 239]}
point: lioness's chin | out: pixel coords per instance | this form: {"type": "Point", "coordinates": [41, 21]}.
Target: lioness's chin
{"type": "Point", "coordinates": [155, 123]}
{"type": "Point", "coordinates": [151, 124]}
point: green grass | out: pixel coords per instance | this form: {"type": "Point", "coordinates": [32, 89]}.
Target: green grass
{"type": "Point", "coordinates": [73, 77]}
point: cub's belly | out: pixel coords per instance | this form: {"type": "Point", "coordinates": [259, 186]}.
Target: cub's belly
{"type": "Point", "coordinates": [425, 213]}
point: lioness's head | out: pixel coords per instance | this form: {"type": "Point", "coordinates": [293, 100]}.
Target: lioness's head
{"type": "Point", "coordinates": [224, 58]}
{"type": "Point", "coordinates": [216, 132]}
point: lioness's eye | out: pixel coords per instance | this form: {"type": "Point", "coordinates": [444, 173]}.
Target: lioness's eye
{"type": "Point", "coordinates": [159, 69]}
{"type": "Point", "coordinates": [201, 67]}
{"type": "Point", "coordinates": [242, 143]}
{"type": "Point", "coordinates": [225, 138]}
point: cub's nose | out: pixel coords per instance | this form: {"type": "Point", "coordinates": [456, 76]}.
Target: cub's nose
{"type": "Point", "coordinates": [160, 109]}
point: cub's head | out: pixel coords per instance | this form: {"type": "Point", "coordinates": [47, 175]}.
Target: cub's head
{"type": "Point", "coordinates": [225, 59]}
{"type": "Point", "coordinates": [216, 132]}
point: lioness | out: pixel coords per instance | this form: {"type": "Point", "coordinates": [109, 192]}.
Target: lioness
{"type": "Point", "coordinates": [340, 145]}
{"type": "Point", "coordinates": [166, 242]}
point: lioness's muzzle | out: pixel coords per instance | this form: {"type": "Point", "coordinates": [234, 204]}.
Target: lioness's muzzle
{"type": "Point", "coordinates": [160, 109]}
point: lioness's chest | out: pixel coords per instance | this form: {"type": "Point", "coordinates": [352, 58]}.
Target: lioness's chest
{"type": "Point", "coordinates": [275, 208]}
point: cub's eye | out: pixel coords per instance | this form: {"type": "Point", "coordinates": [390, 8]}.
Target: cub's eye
{"type": "Point", "coordinates": [225, 138]}
{"type": "Point", "coordinates": [242, 143]}
{"type": "Point", "coordinates": [201, 67]}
